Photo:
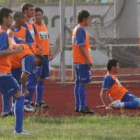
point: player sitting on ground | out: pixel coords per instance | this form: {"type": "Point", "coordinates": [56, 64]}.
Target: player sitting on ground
{"type": "Point", "coordinates": [113, 94]}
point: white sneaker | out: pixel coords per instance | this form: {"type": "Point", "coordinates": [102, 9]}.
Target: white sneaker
{"type": "Point", "coordinates": [116, 104]}
{"type": "Point", "coordinates": [29, 108]}
{"type": "Point", "coordinates": [22, 133]}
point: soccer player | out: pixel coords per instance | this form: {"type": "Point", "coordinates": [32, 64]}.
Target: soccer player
{"type": "Point", "coordinates": [26, 61]}
{"type": "Point", "coordinates": [23, 35]}
{"type": "Point", "coordinates": [42, 38]}
{"type": "Point", "coordinates": [29, 12]}
{"type": "Point", "coordinates": [8, 85]}
{"type": "Point", "coordinates": [113, 93]}
{"type": "Point", "coordinates": [19, 34]}
{"type": "Point", "coordinates": [82, 61]}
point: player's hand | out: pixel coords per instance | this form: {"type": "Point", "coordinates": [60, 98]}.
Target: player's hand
{"type": "Point", "coordinates": [109, 108]}
{"type": "Point", "coordinates": [89, 64]}
{"type": "Point", "coordinates": [18, 49]}
{"type": "Point", "coordinates": [26, 92]}
{"type": "Point", "coordinates": [50, 57]}
{"type": "Point", "coordinates": [10, 33]}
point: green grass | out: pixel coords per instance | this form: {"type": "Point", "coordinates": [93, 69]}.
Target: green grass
{"type": "Point", "coordinates": [83, 128]}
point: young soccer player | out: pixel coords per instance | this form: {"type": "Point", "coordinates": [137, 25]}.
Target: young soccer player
{"type": "Point", "coordinates": [42, 38]}
{"type": "Point", "coordinates": [113, 93]}
{"type": "Point", "coordinates": [82, 61]}
{"type": "Point", "coordinates": [8, 85]}
{"type": "Point", "coordinates": [28, 10]}
{"type": "Point", "coordinates": [26, 61]}
{"type": "Point", "coordinates": [20, 35]}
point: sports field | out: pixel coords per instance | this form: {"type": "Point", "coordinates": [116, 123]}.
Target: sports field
{"type": "Point", "coordinates": [79, 128]}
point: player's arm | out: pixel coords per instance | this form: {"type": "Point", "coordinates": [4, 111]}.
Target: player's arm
{"type": "Point", "coordinates": [105, 97]}
{"type": "Point", "coordinates": [50, 55]}
{"type": "Point", "coordinates": [27, 68]}
{"type": "Point", "coordinates": [107, 84]}
{"type": "Point", "coordinates": [4, 46]}
{"type": "Point", "coordinates": [24, 77]}
{"type": "Point", "coordinates": [80, 40]}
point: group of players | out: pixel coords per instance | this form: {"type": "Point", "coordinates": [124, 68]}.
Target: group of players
{"type": "Point", "coordinates": [24, 65]}
{"type": "Point", "coordinates": [113, 94]}
{"type": "Point", "coordinates": [24, 61]}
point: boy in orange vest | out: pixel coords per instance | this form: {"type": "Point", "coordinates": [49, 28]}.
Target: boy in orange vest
{"type": "Point", "coordinates": [42, 38]}
{"type": "Point", "coordinates": [82, 60]}
{"type": "Point", "coordinates": [8, 85]}
{"type": "Point", "coordinates": [113, 94]}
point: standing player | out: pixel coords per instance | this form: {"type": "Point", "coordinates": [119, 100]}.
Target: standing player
{"type": "Point", "coordinates": [19, 34]}
{"type": "Point", "coordinates": [42, 38]}
{"type": "Point", "coordinates": [113, 94]}
{"type": "Point", "coordinates": [28, 11]}
{"type": "Point", "coordinates": [82, 61]}
{"type": "Point", "coordinates": [8, 85]}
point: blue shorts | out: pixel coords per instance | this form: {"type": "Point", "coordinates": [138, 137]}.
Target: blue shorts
{"type": "Point", "coordinates": [43, 71]}
{"type": "Point", "coordinates": [28, 64]}
{"type": "Point", "coordinates": [130, 97]}
{"type": "Point", "coordinates": [130, 101]}
{"type": "Point", "coordinates": [8, 85]}
{"type": "Point", "coordinates": [17, 74]}
{"type": "Point", "coordinates": [83, 73]}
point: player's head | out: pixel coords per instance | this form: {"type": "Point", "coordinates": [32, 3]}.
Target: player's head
{"type": "Point", "coordinates": [6, 17]}
{"type": "Point", "coordinates": [39, 60]}
{"type": "Point", "coordinates": [83, 17]}
{"type": "Point", "coordinates": [28, 9]}
{"type": "Point", "coordinates": [19, 18]}
{"type": "Point", "coordinates": [38, 14]}
{"type": "Point", "coordinates": [113, 66]}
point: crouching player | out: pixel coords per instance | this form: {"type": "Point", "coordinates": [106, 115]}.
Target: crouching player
{"type": "Point", "coordinates": [113, 94]}
{"type": "Point", "coordinates": [28, 63]}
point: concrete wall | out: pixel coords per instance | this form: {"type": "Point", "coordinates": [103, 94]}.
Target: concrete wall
{"type": "Point", "coordinates": [52, 19]}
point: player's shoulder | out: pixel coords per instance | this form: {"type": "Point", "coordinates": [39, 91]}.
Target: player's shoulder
{"type": "Point", "coordinates": [3, 34]}
{"type": "Point", "coordinates": [108, 78]}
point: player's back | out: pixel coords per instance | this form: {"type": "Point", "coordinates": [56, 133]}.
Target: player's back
{"type": "Point", "coordinates": [17, 58]}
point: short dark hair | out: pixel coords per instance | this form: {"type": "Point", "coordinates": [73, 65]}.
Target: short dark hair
{"type": "Point", "coordinates": [4, 12]}
{"type": "Point", "coordinates": [82, 14]}
{"type": "Point", "coordinates": [25, 6]}
{"type": "Point", "coordinates": [38, 9]}
{"type": "Point", "coordinates": [41, 59]}
{"type": "Point", "coordinates": [18, 14]}
{"type": "Point", "coordinates": [112, 63]}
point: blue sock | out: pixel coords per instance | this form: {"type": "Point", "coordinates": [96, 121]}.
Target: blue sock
{"type": "Point", "coordinates": [19, 113]}
{"type": "Point", "coordinates": [76, 89]}
{"type": "Point", "coordinates": [39, 91]}
{"type": "Point", "coordinates": [6, 104]}
{"type": "Point", "coordinates": [82, 96]}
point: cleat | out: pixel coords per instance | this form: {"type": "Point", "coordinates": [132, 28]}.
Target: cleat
{"type": "Point", "coordinates": [7, 114]}
{"type": "Point", "coordinates": [42, 104]}
{"type": "Point", "coordinates": [29, 108]}
{"type": "Point", "coordinates": [86, 110]}
{"type": "Point", "coordinates": [22, 133]}
{"type": "Point", "coordinates": [76, 110]}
